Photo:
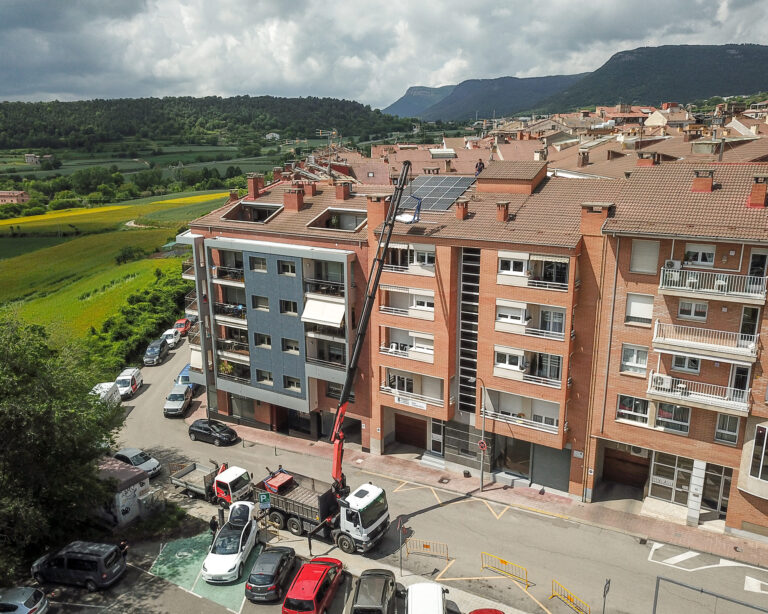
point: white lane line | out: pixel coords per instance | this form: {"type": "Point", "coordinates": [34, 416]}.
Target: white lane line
{"type": "Point", "coordinates": [674, 560]}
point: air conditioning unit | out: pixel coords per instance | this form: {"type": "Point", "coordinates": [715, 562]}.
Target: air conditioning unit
{"type": "Point", "coordinates": [638, 451]}
{"type": "Point", "coordinates": [674, 265]}
{"type": "Point", "coordinates": [662, 381]}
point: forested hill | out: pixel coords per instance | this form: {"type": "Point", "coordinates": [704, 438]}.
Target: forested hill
{"type": "Point", "coordinates": [186, 119]}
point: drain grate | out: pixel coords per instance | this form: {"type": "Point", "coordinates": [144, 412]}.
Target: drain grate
{"type": "Point", "coordinates": [444, 480]}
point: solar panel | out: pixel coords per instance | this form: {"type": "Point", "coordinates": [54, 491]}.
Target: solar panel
{"type": "Point", "coordinates": [437, 192]}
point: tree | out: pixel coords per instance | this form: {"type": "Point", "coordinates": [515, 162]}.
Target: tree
{"type": "Point", "coordinates": [52, 433]}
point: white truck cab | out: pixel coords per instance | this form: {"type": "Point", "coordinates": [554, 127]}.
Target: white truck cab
{"type": "Point", "coordinates": [233, 484]}
{"type": "Point", "coordinates": [365, 516]}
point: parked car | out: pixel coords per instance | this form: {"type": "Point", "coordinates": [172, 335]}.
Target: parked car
{"type": "Point", "coordinates": [183, 325]}
{"type": "Point", "coordinates": [173, 337]}
{"type": "Point", "coordinates": [232, 545]}
{"type": "Point", "coordinates": [177, 401]}
{"type": "Point", "coordinates": [129, 382]}
{"type": "Point", "coordinates": [486, 611]}
{"type": "Point", "coordinates": [82, 563]}
{"type": "Point", "coordinates": [313, 588]}
{"type": "Point", "coordinates": [212, 431]}
{"type": "Point", "coordinates": [108, 392]}
{"type": "Point", "coordinates": [375, 593]}
{"type": "Point", "coordinates": [139, 458]}
{"type": "Point", "coordinates": [156, 352]}
{"type": "Point", "coordinates": [425, 598]}
{"type": "Point", "coordinates": [23, 600]}
{"type": "Point", "coordinates": [183, 378]}
{"type": "Point", "coordinates": [269, 573]}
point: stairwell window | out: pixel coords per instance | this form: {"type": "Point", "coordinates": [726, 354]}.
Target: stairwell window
{"type": "Point", "coordinates": [634, 359]}
{"type": "Point", "coordinates": [673, 417]}
{"type": "Point", "coordinates": [639, 309]}
{"type": "Point", "coordinates": [699, 255]}
{"type": "Point", "coordinates": [727, 429]}
{"type": "Point", "coordinates": [632, 408]}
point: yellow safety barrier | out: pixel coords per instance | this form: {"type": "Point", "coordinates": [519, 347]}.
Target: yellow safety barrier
{"type": "Point", "coordinates": [417, 546]}
{"type": "Point", "coordinates": [568, 598]}
{"type": "Point", "coordinates": [505, 568]}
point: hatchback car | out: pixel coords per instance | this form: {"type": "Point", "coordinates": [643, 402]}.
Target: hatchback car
{"type": "Point", "coordinates": [139, 458]}
{"type": "Point", "coordinates": [269, 573]}
{"type": "Point", "coordinates": [23, 600]}
{"type": "Point", "coordinates": [173, 337]}
{"type": "Point", "coordinates": [129, 382]}
{"type": "Point", "coordinates": [212, 431]}
{"type": "Point", "coordinates": [82, 563]}
{"type": "Point", "coordinates": [156, 352]}
{"type": "Point", "coordinates": [183, 325]}
{"type": "Point", "coordinates": [177, 401]}
{"type": "Point", "coordinates": [232, 545]}
{"type": "Point", "coordinates": [313, 588]}
{"type": "Point", "coordinates": [375, 593]}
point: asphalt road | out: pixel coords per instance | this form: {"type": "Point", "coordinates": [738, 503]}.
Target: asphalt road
{"type": "Point", "coordinates": [580, 557]}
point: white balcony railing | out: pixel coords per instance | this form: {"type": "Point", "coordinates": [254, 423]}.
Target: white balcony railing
{"type": "Point", "coordinates": [705, 282]}
{"type": "Point", "coordinates": [686, 391]}
{"type": "Point", "coordinates": [544, 334]}
{"type": "Point", "coordinates": [513, 419]}
{"type": "Point", "coordinates": [398, 311]}
{"type": "Point", "coordinates": [393, 268]}
{"type": "Point", "coordinates": [542, 381]}
{"type": "Point", "coordinates": [705, 338]}
{"type": "Point", "coordinates": [411, 396]}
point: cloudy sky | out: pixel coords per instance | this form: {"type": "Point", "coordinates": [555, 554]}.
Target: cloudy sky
{"type": "Point", "coordinates": [365, 50]}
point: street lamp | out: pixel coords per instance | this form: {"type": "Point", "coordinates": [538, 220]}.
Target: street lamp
{"type": "Point", "coordinates": [482, 445]}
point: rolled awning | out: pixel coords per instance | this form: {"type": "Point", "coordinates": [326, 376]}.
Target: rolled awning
{"type": "Point", "coordinates": [323, 312]}
{"type": "Point", "coordinates": [550, 258]}
{"type": "Point", "coordinates": [503, 302]}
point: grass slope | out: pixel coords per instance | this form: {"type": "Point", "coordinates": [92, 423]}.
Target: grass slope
{"type": "Point", "coordinates": [23, 245]}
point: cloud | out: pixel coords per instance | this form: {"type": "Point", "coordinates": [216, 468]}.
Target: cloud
{"type": "Point", "coordinates": [369, 50]}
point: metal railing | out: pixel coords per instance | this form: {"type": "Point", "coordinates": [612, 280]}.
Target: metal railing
{"type": "Point", "coordinates": [419, 546]}
{"type": "Point", "coordinates": [512, 419]}
{"type": "Point", "coordinates": [542, 381]}
{"type": "Point", "coordinates": [328, 331]}
{"type": "Point", "coordinates": [393, 268]}
{"type": "Point", "coordinates": [323, 286]}
{"type": "Point", "coordinates": [705, 282]}
{"type": "Point", "coordinates": [233, 346]}
{"type": "Point", "coordinates": [545, 334]}
{"type": "Point", "coordinates": [333, 364]}
{"type": "Point", "coordinates": [547, 285]}
{"type": "Point", "coordinates": [398, 311]}
{"type": "Point", "coordinates": [188, 268]}
{"type": "Point", "coordinates": [736, 343]}
{"type": "Point", "coordinates": [411, 395]}
{"type": "Point", "coordinates": [689, 391]}
{"type": "Point", "coordinates": [194, 334]}
{"type": "Point", "coordinates": [228, 273]}
{"type": "Point", "coordinates": [230, 310]}
{"type": "Point", "coordinates": [190, 301]}
{"type": "Point", "coordinates": [409, 351]}
{"type": "Point", "coordinates": [505, 568]}
{"type": "Point", "coordinates": [569, 599]}
{"type": "Point", "coordinates": [241, 379]}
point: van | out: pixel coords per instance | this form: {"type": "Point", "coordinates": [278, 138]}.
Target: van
{"type": "Point", "coordinates": [156, 352]}
{"type": "Point", "coordinates": [129, 382]}
{"type": "Point", "coordinates": [81, 563]}
{"type": "Point", "coordinates": [425, 598]}
{"type": "Point", "coordinates": [107, 392]}
{"type": "Point", "coordinates": [183, 378]}
{"type": "Point", "coordinates": [375, 593]}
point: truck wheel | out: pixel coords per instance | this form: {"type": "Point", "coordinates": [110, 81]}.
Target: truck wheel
{"type": "Point", "coordinates": [294, 526]}
{"type": "Point", "coordinates": [39, 578]}
{"type": "Point", "coordinates": [223, 504]}
{"type": "Point", "coordinates": [277, 519]}
{"type": "Point", "coordinates": [345, 544]}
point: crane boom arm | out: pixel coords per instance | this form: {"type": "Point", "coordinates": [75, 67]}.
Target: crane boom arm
{"type": "Point", "coordinates": [337, 435]}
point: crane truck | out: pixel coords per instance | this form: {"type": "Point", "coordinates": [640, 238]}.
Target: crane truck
{"type": "Point", "coordinates": [354, 520]}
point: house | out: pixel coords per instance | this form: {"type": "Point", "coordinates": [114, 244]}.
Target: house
{"type": "Point", "coordinates": [13, 196]}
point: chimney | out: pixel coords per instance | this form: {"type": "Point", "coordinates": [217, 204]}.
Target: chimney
{"type": "Point", "coordinates": [647, 158]}
{"type": "Point", "coordinates": [583, 158]}
{"type": "Point", "coordinates": [377, 205]}
{"type": "Point", "coordinates": [448, 167]}
{"type": "Point", "coordinates": [702, 180]}
{"type": "Point", "coordinates": [502, 210]}
{"type": "Point", "coordinates": [234, 195]}
{"type": "Point", "coordinates": [310, 189]}
{"type": "Point", "coordinates": [255, 184]}
{"type": "Point", "coordinates": [276, 172]}
{"type": "Point", "coordinates": [343, 191]}
{"type": "Point", "coordinates": [462, 208]}
{"type": "Point", "coordinates": [757, 196]}
{"type": "Point", "coordinates": [753, 128]}
{"type": "Point", "coordinates": [293, 199]}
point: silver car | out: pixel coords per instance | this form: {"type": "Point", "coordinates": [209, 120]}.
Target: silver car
{"type": "Point", "coordinates": [177, 401]}
{"type": "Point", "coordinates": [139, 458]}
{"type": "Point", "coordinates": [23, 600]}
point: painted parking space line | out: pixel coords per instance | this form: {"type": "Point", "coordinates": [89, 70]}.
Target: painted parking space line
{"type": "Point", "coordinates": [674, 560]}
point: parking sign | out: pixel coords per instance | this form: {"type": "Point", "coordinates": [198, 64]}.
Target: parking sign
{"type": "Point", "coordinates": [264, 503]}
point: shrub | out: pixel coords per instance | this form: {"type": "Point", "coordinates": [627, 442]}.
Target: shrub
{"type": "Point", "coordinates": [129, 253]}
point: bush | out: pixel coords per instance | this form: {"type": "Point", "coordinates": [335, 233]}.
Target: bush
{"type": "Point", "coordinates": [129, 253]}
{"type": "Point", "coordinates": [35, 211]}
{"type": "Point", "coordinates": [66, 203]}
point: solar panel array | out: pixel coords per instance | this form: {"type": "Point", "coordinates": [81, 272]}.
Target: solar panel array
{"type": "Point", "coordinates": [437, 192]}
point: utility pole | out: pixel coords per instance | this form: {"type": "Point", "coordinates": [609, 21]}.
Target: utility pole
{"type": "Point", "coordinates": [330, 134]}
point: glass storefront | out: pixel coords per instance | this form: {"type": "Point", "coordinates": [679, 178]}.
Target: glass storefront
{"type": "Point", "coordinates": [670, 477]}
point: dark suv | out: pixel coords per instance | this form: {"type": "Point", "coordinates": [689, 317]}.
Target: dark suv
{"type": "Point", "coordinates": [375, 593]}
{"type": "Point", "coordinates": [84, 563]}
{"type": "Point", "coordinates": [156, 352]}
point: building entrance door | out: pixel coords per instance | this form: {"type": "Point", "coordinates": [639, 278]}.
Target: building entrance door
{"type": "Point", "coordinates": [436, 440]}
{"type": "Point", "coordinates": [670, 478]}
{"type": "Point", "coordinates": [717, 485]}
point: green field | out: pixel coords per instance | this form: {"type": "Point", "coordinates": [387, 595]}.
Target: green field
{"type": "Point", "coordinates": [177, 216]}
{"type": "Point", "coordinates": [22, 245]}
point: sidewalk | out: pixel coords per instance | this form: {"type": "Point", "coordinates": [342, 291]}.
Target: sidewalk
{"type": "Point", "coordinates": [551, 504]}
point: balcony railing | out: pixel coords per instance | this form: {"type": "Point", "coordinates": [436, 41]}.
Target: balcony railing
{"type": "Point", "coordinates": [542, 381]}
{"type": "Point", "coordinates": [393, 268]}
{"type": "Point", "coordinates": [241, 379]}
{"type": "Point", "coordinates": [233, 346]}
{"type": "Point", "coordinates": [547, 285]}
{"type": "Point", "coordinates": [190, 301]}
{"type": "Point", "coordinates": [398, 311]}
{"type": "Point", "coordinates": [322, 286]}
{"type": "Point", "coordinates": [544, 334]}
{"type": "Point", "coordinates": [513, 419]}
{"type": "Point", "coordinates": [188, 268]}
{"type": "Point", "coordinates": [228, 273]}
{"type": "Point", "coordinates": [705, 282]}
{"type": "Point", "coordinates": [194, 334]}
{"type": "Point", "coordinates": [411, 396]}
{"type": "Point", "coordinates": [322, 329]}
{"type": "Point", "coordinates": [404, 350]}
{"type": "Point", "coordinates": [704, 338]}
{"type": "Point", "coordinates": [686, 392]}
{"type": "Point", "coordinates": [331, 364]}
{"type": "Point", "coordinates": [229, 310]}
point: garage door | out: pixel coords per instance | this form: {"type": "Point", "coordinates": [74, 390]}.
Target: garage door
{"type": "Point", "coordinates": [551, 467]}
{"type": "Point", "coordinates": [411, 431]}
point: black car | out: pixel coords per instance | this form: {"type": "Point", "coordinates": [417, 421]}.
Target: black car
{"type": "Point", "coordinates": [270, 574]}
{"type": "Point", "coordinates": [212, 431]}
{"type": "Point", "coordinates": [156, 352]}
{"type": "Point", "coordinates": [375, 593]}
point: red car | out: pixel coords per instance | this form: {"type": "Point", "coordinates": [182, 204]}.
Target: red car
{"type": "Point", "coordinates": [183, 326]}
{"type": "Point", "coordinates": [313, 588]}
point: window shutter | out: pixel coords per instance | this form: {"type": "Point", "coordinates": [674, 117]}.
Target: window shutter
{"type": "Point", "coordinates": [645, 256]}
{"type": "Point", "coordinates": [640, 306]}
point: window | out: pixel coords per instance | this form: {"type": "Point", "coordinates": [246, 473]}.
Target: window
{"type": "Point", "coordinates": [645, 256]}
{"type": "Point", "coordinates": [555, 272]}
{"type": "Point", "coordinates": [289, 307]}
{"type": "Point", "coordinates": [673, 417]}
{"type": "Point", "coordinates": [548, 366]}
{"type": "Point", "coordinates": [509, 361]}
{"type": "Point", "coordinates": [422, 257]}
{"type": "Point", "coordinates": [260, 302]}
{"type": "Point", "coordinates": [370, 173]}
{"type": "Point", "coordinates": [639, 309]}
{"type": "Point", "coordinates": [552, 321]}
{"type": "Point", "coordinates": [264, 377]}
{"type": "Point", "coordinates": [258, 264]}
{"type": "Point", "coordinates": [509, 266]}
{"type": "Point", "coordinates": [759, 468]}
{"type": "Point", "coordinates": [291, 346]}
{"type": "Point", "coordinates": [632, 408]}
{"type": "Point", "coordinates": [333, 391]}
{"type": "Point", "coordinates": [401, 383]}
{"type": "Point", "coordinates": [419, 301]}
{"type": "Point", "coordinates": [291, 383]}
{"type": "Point", "coordinates": [691, 310]}
{"type": "Point", "coordinates": [686, 363]}
{"type": "Point", "coordinates": [727, 429]}
{"type": "Point", "coordinates": [81, 564]}
{"type": "Point", "coordinates": [513, 315]}
{"type": "Point", "coordinates": [700, 255]}
{"type": "Point", "coordinates": [260, 340]}
{"type": "Point", "coordinates": [286, 267]}
{"type": "Point", "coordinates": [634, 359]}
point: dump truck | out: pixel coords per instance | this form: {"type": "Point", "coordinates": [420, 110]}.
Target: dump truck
{"type": "Point", "coordinates": [216, 483]}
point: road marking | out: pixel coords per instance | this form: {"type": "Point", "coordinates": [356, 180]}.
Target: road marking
{"type": "Point", "coordinates": [754, 585]}
{"type": "Point", "coordinates": [498, 516]}
{"type": "Point", "coordinates": [674, 560]}
{"type": "Point", "coordinates": [439, 577]}
{"type": "Point", "coordinates": [79, 605]}
{"type": "Point", "coordinates": [671, 562]}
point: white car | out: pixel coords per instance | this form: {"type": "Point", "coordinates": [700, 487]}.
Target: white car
{"type": "Point", "coordinates": [232, 545]}
{"type": "Point", "coordinates": [139, 458]}
{"type": "Point", "coordinates": [173, 337]}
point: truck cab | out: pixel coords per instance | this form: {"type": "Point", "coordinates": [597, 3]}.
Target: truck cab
{"type": "Point", "coordinates": [364, 516]}
{"type": "Point", "coordinates": [232, 484]}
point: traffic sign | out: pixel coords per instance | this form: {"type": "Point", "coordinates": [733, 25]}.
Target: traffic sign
{"type": "Point", "coordinates": [264, 503]}
{"type": "Point", "coordinates": [482, 445]}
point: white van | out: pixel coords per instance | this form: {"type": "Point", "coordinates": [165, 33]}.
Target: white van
{"type": "Point", "coordinates": [107, 392]}
{"type": "Point", "coordinates": [129, 382]}
{"type": "Point", "coordinates": [425, 598]}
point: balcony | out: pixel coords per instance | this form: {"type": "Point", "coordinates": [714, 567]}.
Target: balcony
{"type": "Point", "coordinates": [324, 287]}
{"type": "Point", "coordinates": [234, 372]}
{"type": "Point", "coordinates": [403, 350]}
{"type": "Point", "coordinates": [540, 380]}
{"type": "Point", "coordinates": [720, 286]}
{"type": "Point", "coordinates": [411, 399]}
{"type": "Point", "coordinates": [711, 343]}
{"type": "Point", "coordinates": [188, 269]}
{"type": "Point", "coordinates": [190, 303]}
{"type": "Point", "coordinates": [544, 333]}
{"type": "Point", "coordinates": [698, 394]}
{"type": "Point", "coordinates": [233, 349]}
{"type": "Point", "coordinates": [322, 331]}
{"type": "Point", "coordinates": [230, 312]}
{"type": "Point", "coordinates": [510, 418]}
{"type": "Point", "coordinates": [326, 354]}
{"type": "Point", "coordinates": [231, 276]}
{"type": "Point", "coordinates": [194, 334]}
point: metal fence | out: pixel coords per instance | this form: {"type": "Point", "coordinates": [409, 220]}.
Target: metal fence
{"type": "Point", "coordinates": [418, 546]}
{"type": "Point", "coordinates": [505, 568]}
{"type": "Point", "coordinates": [569, 599]}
